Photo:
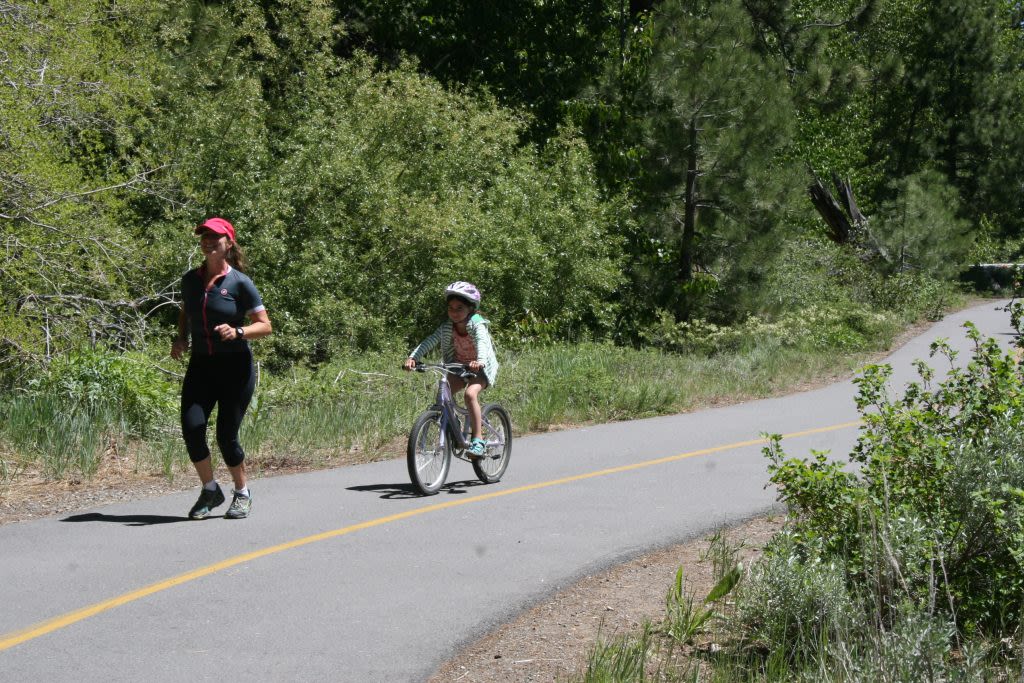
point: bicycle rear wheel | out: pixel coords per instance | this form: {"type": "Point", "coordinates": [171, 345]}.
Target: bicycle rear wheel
{"type": "Point", "coordinates": [498, 435]}
{"type": "Point", "coordinates": [427, 459]}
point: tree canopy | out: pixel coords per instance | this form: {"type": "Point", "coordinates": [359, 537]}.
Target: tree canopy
{"type": "Point", "coordinates": [594, 166]}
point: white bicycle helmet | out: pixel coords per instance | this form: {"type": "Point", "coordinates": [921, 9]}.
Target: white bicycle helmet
{"type": "Point", "coordinates": [464, 290]}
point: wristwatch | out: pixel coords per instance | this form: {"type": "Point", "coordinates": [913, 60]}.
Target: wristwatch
{"type": "Point", "coordinates": [240, 331]}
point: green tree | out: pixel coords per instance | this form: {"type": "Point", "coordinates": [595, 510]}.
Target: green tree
{"type": "Point", "coordinates": [920, 229]}
{"type": "Point", "coordinates": [389, 187]}
{"type": "Point", "coordinates": [533, 56]}
{"type": "Point", "coordinates": [75, 81]}
{"type": "Point", "coordinates": [819, 43]}
{"type": "Point", "coordinates": [362, 190]}
{"type": "Point", "coordinates": [717, 189]}
{"type": "Point", "coordinates": [953, 106]}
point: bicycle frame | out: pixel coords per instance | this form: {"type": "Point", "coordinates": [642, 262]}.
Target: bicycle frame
{"type": "Point", "coordinates": [453, 418]}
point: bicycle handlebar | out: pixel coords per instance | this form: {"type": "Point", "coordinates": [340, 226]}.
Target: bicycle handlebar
{"type": "Point", "coordinates": [459, 369]}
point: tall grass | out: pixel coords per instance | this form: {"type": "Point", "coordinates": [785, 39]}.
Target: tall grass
{"type": "Point", "coordinates": [64, 439]}
{"type": "Point", "coordinates": [359, 408]}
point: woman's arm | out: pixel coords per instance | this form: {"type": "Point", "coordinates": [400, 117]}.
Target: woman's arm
{"type": "Point", "coordinates": [180, 343]}
{"type": "Point", "coordinates": [259, 327]}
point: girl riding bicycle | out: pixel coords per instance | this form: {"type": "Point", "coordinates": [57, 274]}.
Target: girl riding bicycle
{"type": "Point", "coordinates": [464, 338]}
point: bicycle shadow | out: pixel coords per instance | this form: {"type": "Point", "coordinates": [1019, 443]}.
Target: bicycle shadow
{"type": "Point", "coordinates": [403, 491]}
{"type": "Point", "coordinates": [127, 520]}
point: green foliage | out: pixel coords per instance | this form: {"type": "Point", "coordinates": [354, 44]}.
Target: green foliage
{"type": "Point", "coordinates": [792, 602]}
{"type": "Point", "coordinates": [913, 295]}
{"type": "Point", "coordinates": [715, 194]}
{"type": "Point", "coordinates": [100, 382]}
{"type": "Point", "coordinates": [58, 439]}
{"type": "Point", "coordinates": [903, 563]}
{"type": "Point", "coordinates": [534, 56]}
{"type": "Point", "coordinates": [683, 621]}
{"type": "Point", "coordinates": [80, 405]}
{"type": "Point", "coordinates": [812, 272]}
{"type": "Point", "coordinates": [937, 472]}
{"type": "Point", "coordinates": [816, 328]}
{"type": "Point", "coordinates": [622, 660]}
{"type": "Point", "coordinates": [360, 191]}
{"type": "Point", "coordinates": [919, 228]}
{"type": "Point", "coordinates": [75, 80]}
{"type": "Point", "coordinates": [949, 94]}
{"type": "Point", "coordinates": [442, 193]}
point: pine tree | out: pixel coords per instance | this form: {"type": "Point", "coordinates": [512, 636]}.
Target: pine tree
{"type": "Point", "coordinates": [725, 117]}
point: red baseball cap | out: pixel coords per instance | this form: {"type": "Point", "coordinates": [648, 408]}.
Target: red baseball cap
{"type": "Point", "coordinates": [217, 225]}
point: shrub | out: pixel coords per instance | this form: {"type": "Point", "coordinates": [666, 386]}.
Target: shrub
{"type": "Point", "coordinates": [816, 328]}
{"type": "Point", "coordinates": [936, 491]}
{"type": "Point", "coordinates": [792, 602]}
{"type": "Point", "coordinates": [124, 387]}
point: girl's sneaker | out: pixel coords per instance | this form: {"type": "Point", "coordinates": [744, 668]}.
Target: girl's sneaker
{"type": "Point", "coordinates": [477, 448]}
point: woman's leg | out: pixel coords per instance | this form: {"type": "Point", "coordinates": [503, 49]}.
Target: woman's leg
{"type": "Point", "coordinates": [237, 387]}
{"type": "Point", "coordinates": [238, 476]}
{"type": "Point", "coordinates": [198, 396]}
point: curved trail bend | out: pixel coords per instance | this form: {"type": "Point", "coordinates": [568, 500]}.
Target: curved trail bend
{"type": "Point", "coordinates": [345, 575]}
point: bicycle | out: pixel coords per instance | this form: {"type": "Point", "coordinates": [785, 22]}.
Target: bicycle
{"type": "Point", "coordinates": [444, 430]}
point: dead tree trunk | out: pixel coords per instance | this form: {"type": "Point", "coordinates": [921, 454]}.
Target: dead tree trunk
{"type": "Point", "coordinates": [846, 224]}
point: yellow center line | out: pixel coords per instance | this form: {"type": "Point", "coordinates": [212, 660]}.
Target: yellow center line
{"type": "Point", "coordinates": [17, 637]}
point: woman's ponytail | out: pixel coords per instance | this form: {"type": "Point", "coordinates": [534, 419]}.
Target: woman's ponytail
{"type": "Point", "coordinates": [236, 257]}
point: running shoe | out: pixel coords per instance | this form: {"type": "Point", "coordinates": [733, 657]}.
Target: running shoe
{"type": "Point", "coordinates": [207, 501]}
{"type": "Point", "coordinates": [240, 506]}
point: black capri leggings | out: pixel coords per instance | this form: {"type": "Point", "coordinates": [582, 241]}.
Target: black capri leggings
{"type": "Point", "coordinates": [224, 379]}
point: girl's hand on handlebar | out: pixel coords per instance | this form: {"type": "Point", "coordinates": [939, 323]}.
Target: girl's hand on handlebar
{"type": "Point", "coordinates": [475, 365]}
{"type": "Point", "coordinates": [409, 364]}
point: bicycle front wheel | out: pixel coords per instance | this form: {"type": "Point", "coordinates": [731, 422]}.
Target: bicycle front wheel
{"type": "Point", "coordinates": [498, 435]}
{"type": "Point", "coordinates": [428, 460]}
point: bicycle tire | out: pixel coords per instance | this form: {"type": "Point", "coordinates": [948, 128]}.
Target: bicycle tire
{"type": "Point", "coordinates": [428, 462]}
{"type": "Point", "coordinates": [498, 435]}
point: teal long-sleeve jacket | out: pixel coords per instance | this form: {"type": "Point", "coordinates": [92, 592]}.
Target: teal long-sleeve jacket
{"type": "Point", "coordinates": [477, 327]}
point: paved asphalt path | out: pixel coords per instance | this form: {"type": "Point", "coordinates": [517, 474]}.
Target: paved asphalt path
{"type": "Point", "coordinates": [344, 575]}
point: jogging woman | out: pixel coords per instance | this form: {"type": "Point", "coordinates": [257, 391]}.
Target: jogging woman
{"type": "Point", "coordinates": [217, 297]}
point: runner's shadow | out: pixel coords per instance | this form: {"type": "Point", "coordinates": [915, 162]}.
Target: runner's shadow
{"type": "Point", "coordinates": [401, 491]}
{"type": "Point", "coordinates": [127, 520]}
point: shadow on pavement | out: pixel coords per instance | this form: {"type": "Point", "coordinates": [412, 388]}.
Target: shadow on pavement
{"type": "Point", "coordinates": [401, 491]}
{"type": "Point", "coordinates": [127, 520]}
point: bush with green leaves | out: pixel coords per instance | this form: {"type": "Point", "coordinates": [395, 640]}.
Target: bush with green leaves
{"type": "Point", "coordinates": [816, 328]}
{"type": "Point", "coordinates": [81, 404]}
{"type": "Point", "coordinates": [359, 191]}
{"type": "Point", "coordinates": [127, 387]}
{"type": "Point", "coordinates": [394, 187]}
{"type": "Point", "coordinates": [76, 74]}
{"type": "Point", "coordinates": [929, 511]}
{"type": "Point", "coordinates": [791, 601]}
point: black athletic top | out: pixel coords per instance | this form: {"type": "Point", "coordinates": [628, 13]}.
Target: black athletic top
{"type": "Point", "coordinates": [231, 298]}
